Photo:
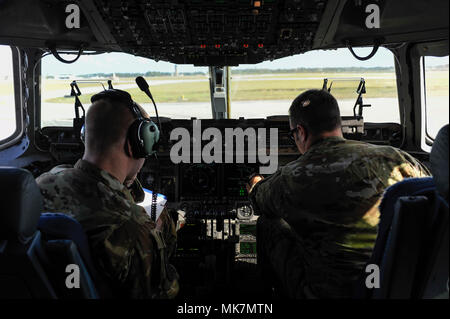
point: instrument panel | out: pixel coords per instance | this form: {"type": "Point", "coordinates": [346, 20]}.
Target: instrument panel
{"type": "Point", "coordinates": [215, 181]}
{"type": "Point", "coordinates": [217, 188]}
{"type": "Point", "coordinates": [199, 180]}
{"type": "Point", "coordinates": [200, 188]}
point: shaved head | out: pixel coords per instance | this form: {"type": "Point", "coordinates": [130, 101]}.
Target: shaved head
{"type": "Point", "coordinates": [107, 122]}
{"type": "Point", "coordinates": [106, 143]}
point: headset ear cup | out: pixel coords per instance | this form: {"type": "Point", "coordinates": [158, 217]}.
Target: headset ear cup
{"type": "Point", "coordinates": [143, 135]}
{"type": "Point", "coordinates": [150, 136]}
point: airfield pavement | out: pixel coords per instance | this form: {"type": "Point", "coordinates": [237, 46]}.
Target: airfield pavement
{"type": "Point", "coordinates": [382, 110]}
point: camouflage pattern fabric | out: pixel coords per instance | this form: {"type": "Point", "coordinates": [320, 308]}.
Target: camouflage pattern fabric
{"type": "Point", "coordinates": [128, 248]}
{"type": "Point", "coordinates": [321, 212]}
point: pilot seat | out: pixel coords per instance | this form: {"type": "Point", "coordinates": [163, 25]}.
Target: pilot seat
{"type": "Point", "coordinates": [412, 246]}
{"type": "Point", "coordinates": [36, 248]}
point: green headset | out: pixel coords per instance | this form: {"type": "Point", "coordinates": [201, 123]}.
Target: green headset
{"type": "Point", "coordinates": [143, 134]}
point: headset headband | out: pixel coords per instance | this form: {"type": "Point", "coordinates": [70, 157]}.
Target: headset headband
{"type": "Point", "coordinates": [142, 134]}
{"type": "Point", "coordinates": [119, 95]}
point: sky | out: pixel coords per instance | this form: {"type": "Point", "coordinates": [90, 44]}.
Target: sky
{"type": "Point", "coordinates": [122, 62]}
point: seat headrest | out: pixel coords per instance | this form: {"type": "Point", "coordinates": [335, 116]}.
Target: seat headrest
{"type": "Point", "coordinates": [60, 226]}
{"type": "Point", "coordinates": [439, 161]}
{"type": "Point", "coordinates": [21, 204]}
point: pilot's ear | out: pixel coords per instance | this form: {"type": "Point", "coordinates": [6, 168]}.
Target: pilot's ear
{"type": "Point", "coordinates": [303, 134]}
{"type": "Point", "coordinates": [127, 147]}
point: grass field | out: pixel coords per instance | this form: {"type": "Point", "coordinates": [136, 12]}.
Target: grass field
{"type": "Point", "coordinates": [257, 87]}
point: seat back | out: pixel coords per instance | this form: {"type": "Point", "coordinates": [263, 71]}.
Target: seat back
{"type": "Point", "coordinates": [405, 242]}
{"type": "Point", "coordinates": [411, 248]}
{"type": "Point", "coordinates": [21, 271]}
{"type": "Point", "coordinates": [31, 264]}
{"type": "Point", "coordinates": [61, 230]}
{"type": "Point", "coordinates": [54, 226]}
{"type": "Point", "coordinates": [437, 270]}
{"type": "Point", "coordinates": [435, 276]}
{"type": "Point", "coordinates": [62, 263]}
{"type": "Point", "coordinates": [407, 187]}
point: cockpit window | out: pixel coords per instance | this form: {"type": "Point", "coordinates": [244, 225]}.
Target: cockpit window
{"type": "Point", "coordinates": [257, 91]}
{"type": "Point", "coordinates": [269, 88]}
{"type": "Point", "coordinates": [436, 93]}
{"type": "Point", "coordinates": [7, 99]}
{"type": "Point", "coordinates": [180, 91]}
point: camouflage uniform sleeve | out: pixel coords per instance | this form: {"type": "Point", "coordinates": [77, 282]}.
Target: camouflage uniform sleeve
{"type": "Point", "coordinates": [146, 279]}
{"type": "Point", "coordinates": [267, 196]}
{"type": "Point", "coordinates": [129, 256]}
{"type": "Point", "coordinates": [118, 250]}
{"type": "Point", "coordinates": [142, 281]}
{"type": "Point", "coordinates": [136, 191]}
{"type": "Point", "coordinates": [168, 231]}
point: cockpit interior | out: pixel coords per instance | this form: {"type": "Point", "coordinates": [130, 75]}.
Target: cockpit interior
{"type": "Point", "coordinates": [212, 50]}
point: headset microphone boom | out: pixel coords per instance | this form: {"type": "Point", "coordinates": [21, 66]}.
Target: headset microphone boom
{"type": "Point", "coordinates": [144, 87]}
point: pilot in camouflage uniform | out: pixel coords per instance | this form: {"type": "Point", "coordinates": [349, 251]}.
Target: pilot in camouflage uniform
{"type": "Point", "coordinates": [122, 237]}
{"type": "Point", "coordinates": [320, 212]}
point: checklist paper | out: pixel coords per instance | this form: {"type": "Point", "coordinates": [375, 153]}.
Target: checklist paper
{"type": "Point", "coordinates": [147, 204]}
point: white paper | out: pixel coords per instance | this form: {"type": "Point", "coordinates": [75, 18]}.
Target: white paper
{"type": "Point", "coordinates": [147, 203]}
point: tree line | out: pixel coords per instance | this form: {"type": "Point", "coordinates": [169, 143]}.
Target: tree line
{"type": "Point", "coordinates": [252, 71]}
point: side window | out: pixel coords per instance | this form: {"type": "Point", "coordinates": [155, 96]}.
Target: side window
{"type": "Point", "coordinates": [436, 93]}
{"type": "Point", "coordinates": [7, 99]}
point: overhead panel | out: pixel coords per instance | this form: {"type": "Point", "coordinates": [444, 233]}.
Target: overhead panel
{"type": "Point", "coordinates": [213, 32]}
